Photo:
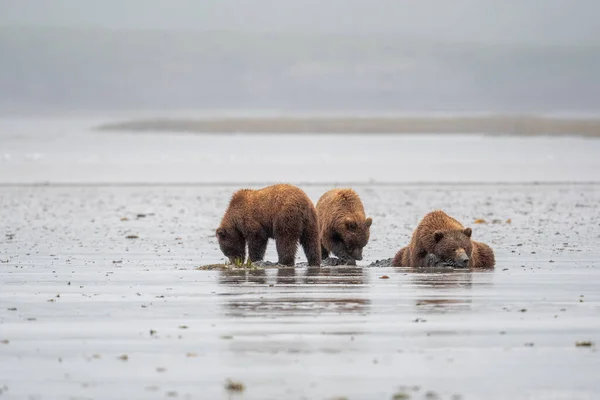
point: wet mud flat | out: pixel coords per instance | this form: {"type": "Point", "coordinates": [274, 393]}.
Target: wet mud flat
{"type": "Point", "coordinates": [101, 298]}
{"type": "Point", "coordinates": [524, 125]}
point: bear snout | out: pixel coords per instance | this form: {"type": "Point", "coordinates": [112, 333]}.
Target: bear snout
{"type": "Point", "coordinates": [357, 254]}
{"type": "Point", "coordinates": [463, 260]}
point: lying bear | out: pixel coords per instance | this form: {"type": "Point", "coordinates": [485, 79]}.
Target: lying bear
{"type": "Point", "coordinates": [343, 226]}
{"type": "Point", "coordinates": [281, 212]}
{"type": "Point", "coordinates": [441, 240]}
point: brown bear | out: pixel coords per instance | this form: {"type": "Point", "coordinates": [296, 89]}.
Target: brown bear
{"type": "Point", "coordinates": [441, 240]}
{"type": "Point", "coordinates": [343, 227]}
{"type": "Point", "coordinates": [281, 212]}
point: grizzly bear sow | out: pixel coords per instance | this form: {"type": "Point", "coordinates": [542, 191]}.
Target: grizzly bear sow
{"type": "Point", "coordinates": [343, 227]}
{"type": "Point", "coordinates": [441, 240]}
{"type": "Point", "coordinates": [281, 212]}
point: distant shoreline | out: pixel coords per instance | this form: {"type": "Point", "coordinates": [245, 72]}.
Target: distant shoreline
{"type": "Point", "coordinates": [496, 125]}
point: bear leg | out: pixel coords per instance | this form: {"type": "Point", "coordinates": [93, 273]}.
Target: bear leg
{"type": "Point", "coordinates": [257, 247]}
{"type": "Point", "coordinates": [311, 244]}
{"type": "Point", "coordinates": [483, 256]}
{"type": "Point", "coordinates": [397, 261]}
{"type": "Point", "coordinates": [286, 249]}
{"type": "Point", "coordinates": [417, 259]}
{"type": "Point", "coordinates": [324, 253]}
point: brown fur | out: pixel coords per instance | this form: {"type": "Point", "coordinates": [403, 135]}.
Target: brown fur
{"type": "Point", "coordinates": [281, 212]}
{"type": "Point", "coordinates": [343, 227]}
{"type": "Point", "coordinates": [483, 256]}
{"type": "Point", "coordinates": [397, 261]}
{"type": "Point", "coordinates": [446, 238]}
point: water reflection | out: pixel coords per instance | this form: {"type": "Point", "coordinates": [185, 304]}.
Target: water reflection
{"type": "Point", "coordinates": [442, 291]}
{"type": "Point", "coordinates": [295, 291]}
{"type": "Point", "coordinates": [343, 275]}
{"type": "Point", "coordinates": [273, 307]}
{"type": "Point", "coordinates": [240, 276]}
{"type": "Point", "coordinates": [346, 275]}
{"type": "Point", "coordinates": [286, 276]}
{"type": "Point", "coordinates": [435, 279]}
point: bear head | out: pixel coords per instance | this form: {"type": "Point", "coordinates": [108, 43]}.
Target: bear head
{"type": "Point", "coordinates": [354, 235]}
{"type": "Point", "coordinates": [454, 247]}
{"type": "Point", "coordinates": [232, 244]}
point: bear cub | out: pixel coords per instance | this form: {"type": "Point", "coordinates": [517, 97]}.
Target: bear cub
{"type": "Point", "coordinates": [440, 240]}
{"type": "Point", "coordinates": [343, 226]}
{"type": "Point", "coordinates": [282, 212]}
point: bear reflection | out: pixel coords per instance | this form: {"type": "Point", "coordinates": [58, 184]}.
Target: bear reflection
{"type": "Point", "coordinates": [239, 276]}
{"type": "Point", "coordinates": [291, 294]}
{"type": "Point", "coordinates": [346, 275]}
{"type": "Point", "coordinates": [445, 290]}
{"type": "Point", "coordinates": [286, 276]}
{"type": "Point", "coordinates": [441, 278]}
{"type": "Point", "coordinates": [342, 275]}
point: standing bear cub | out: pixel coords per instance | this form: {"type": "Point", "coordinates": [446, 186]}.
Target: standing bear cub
{"type": "Point", "coordinates": [343, 227]}
{"type": "Point", "coordinates": [440, 240]}
{"type": "Point", "coordinates": [281, 212]}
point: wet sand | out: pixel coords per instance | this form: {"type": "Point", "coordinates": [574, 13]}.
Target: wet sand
{"type": "Point", "coordinates": [520, 125]}
{"type": "Point", "coordinates": [77, 296]}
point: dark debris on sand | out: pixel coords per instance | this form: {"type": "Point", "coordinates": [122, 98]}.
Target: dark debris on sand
{"type": "Point", "coordinates": [382, 263]}
{"type": "Point", "coordinates": [328, 262]}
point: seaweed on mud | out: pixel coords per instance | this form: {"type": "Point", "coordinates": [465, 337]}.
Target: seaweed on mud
{"type": "Point", "coordinates": [210, 267]}
{"type": "Point", "coordinates": [237, 264]}
{"type": "Point", "coordinates": [234, 386]}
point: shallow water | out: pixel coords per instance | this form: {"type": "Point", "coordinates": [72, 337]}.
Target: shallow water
{"type": "Point", "coordinates": [70, 151]}
{"type": "Point", "coordinates": [76, 294]}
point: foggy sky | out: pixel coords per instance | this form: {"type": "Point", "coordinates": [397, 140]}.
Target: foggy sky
{"type": "Point", "coordinates": [419, 55]}
{"type": "Point", "coordinates": [506, 21]}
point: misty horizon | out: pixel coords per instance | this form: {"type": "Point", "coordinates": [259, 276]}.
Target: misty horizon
{"type": "Point", "coordinates": [491, 21]}
{"type": "Point", "coordinates": [403, 56]}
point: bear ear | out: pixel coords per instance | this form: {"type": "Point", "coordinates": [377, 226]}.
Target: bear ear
{"type": "Point", "coordinates": [350, 224]}
{"type": "Point", "coordinates": [368, 222]}
{"type": "Point", "coordinates": [468, 232]}
{"type": "Point", "coordinates": [438, 235]}
{"type": "Point", "coordinates": [221, 233]}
